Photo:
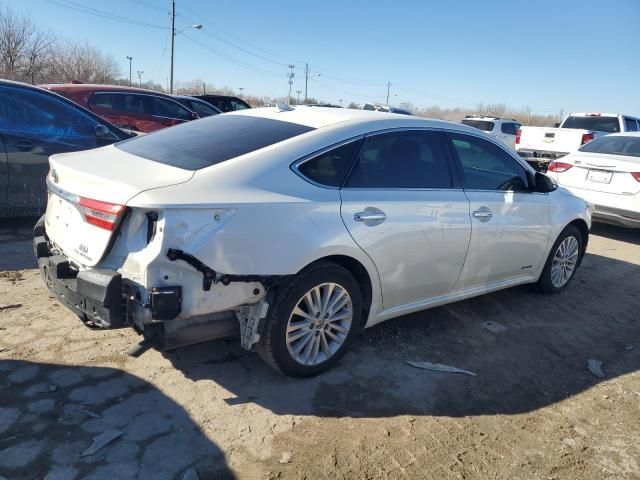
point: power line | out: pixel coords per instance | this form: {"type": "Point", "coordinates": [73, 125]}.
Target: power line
{"type": "Point", "coordinates": [100, 13]}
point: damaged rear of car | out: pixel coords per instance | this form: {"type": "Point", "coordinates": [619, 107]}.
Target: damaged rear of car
{"type": "Point", "coordinates": [137, 234]}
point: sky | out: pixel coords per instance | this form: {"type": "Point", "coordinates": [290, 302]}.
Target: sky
{"type": "Point", "coordinates": [574, 55]}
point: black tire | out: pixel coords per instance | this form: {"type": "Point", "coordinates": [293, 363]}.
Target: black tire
{"type": "Point", "coordinates": [272, 346]}
{"type": "Point", "coordinates": [545, 282]}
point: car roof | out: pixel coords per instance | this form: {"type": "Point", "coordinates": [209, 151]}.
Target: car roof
{"type": "Point", "coordinates": [319, 117]}
{"type": "Point", "coordinates": [89, 87]}
{"type": "Point", "coordinates": [623, 134]}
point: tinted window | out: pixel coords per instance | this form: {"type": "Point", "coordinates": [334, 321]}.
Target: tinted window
{"type": "Point", "coordinates": [615, 145]}
{"type": "Point", "coordinates": [134, 103]}
{"type": "Point", "coordinates": [40, 114]}
{"type": "Point", "coordinates": [479, 124]}
{"type": "Point", "coordinates": [486, 166]}
{"type": "Point", "coordinates": [630, 125]}
{"type": "Point", "coordinates": [163, 107]}
{"type": "Point", "coordinates": [401, 160]}
{"type": "Point", "coordinates": [112, 101]}
{"type": "Point", "coordinates": [597, 123]}
{"type": "Point", "coordinates": [212, 140]}
{"type": "Point", "coordinates": [509, 128]}
{"type": "Point", "coordinates": [201, 108]}
{"type": "Point", "coordinates": [329, 168]}
{"type": "Point", "coordinates": [239, 105]}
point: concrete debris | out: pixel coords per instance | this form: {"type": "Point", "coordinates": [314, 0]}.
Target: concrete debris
{"type": "Point", "coordinates": [286, 458]}
{"type": "Point", "coordinates": [101, 441]}
{"type": "Point", "coordinates": [494, 327]}
{"type": "Point", "coordinates": [438, 367]}
{"type": "Point", "coordinates": [595, 367]}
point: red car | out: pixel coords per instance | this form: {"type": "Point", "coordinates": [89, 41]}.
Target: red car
{"type": "Point", "coordinates": [131, 108]}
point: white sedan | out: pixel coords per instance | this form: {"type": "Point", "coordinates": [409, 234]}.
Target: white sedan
{"type": "Point", "coordinates": [606, 173]}
{"type": "Point", "coordinates": [297, 228]}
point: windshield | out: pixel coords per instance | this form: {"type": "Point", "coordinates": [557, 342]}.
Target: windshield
{"type": "Point", "coordinates": [479, 124]}
{"type": "Point", "coordinates": [215, 139]}
{"type": "Point", "coordinates": [614, 145]}
{"type": "Point", "coordinates": [597, 123]}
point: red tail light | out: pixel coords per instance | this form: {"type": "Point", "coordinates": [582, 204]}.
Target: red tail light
{"type": "Point", "coordinates": [636, 175]}
{"type": "Point", "coordinates": [586, 138]}
{"type": "Point", "coordinates": [559, 167]}
{"type": "Point", "coordinates": [518, 133]}
{"type": "Point", "coordinates": [101, 214]}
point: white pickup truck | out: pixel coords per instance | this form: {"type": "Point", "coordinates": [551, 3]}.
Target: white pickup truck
{"type": "Point", "coordinates": [541, 145]}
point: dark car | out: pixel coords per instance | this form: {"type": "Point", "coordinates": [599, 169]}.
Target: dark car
{"type": "Point", "coordinates": [202, 108]}
{"type": "Point", "coordinates": [131, 108]}
{"type": "Point", "coordinates": [225, 103]}
{"type": "Point", "coordinates": [34, 124]}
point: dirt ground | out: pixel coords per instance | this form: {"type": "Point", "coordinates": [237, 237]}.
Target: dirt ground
{"type": "Point", "coordinates": [533, 410]}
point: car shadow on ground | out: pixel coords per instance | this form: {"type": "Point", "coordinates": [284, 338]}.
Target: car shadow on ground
{"type": "Point", "coordinates": [50, 415]}
{"type": "Point", "coordinates": [533, 353]}
{"type": "Point", "coordinates": [622, 234]}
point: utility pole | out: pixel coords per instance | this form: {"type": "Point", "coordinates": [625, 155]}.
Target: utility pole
{"type": "Point", "coordinates": [204, 88]}
{"type": "Point", "coordinates": [298, 92]}
{"type": "Point", "coordinates": [173, 39]}
{"type": "Point", "coordinates": [241, 89]}
{"type": "Point", "coordinates": [388, 88]}
{"type": "Point", "coordinates": [340, 102]}
{"type": "Point", "coordinates": [130, 60]}
{"type": "Point", "coordinates": [306, 81]}
{"type": "Point", "coordinates": [561, 114]}
{"type": "Point", "coordinates": [140, 72]}
{"type": "Point", "coordinates": [290, 76]}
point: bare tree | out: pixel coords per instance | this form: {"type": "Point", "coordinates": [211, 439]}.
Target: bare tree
{"type": "Point", "coordinates": [81, 62]}
{"type": "Point", "coordinates": [25, 49]}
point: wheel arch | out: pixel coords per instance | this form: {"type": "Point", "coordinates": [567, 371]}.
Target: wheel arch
{"type": "Point", "coordinates": [360, 273]}
{"type": "Point", "coordinates": [583, 228]}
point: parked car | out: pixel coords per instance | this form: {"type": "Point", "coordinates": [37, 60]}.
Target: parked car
{"type": "Point", "coordinates": [298, 227]}
{"type": "Point", "coordinates": [605, 172]}
{"type": "Point", "coordinates": [385, 108]}
{"type": "Point", "coordinates": [34, 124]}
{"type": "Point", "coordinates": [504, 129]}
{"type": "Point", "coordinates": [225, 103]}
{"type": "Point", "coordinates": [540, 145]}
{"type": "Point", "coordinates": [202, 108]}
{"type": "Point", "coordinates": [135, 109]}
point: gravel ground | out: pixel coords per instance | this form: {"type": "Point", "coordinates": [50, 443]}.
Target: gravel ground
{"type": "Point", "coordinates": [73, 405]}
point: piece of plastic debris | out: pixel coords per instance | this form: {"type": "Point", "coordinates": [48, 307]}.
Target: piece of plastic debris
{"type": "Point", "coordinates": [494, 327]}
{"type": "Point", "coordinates": [10, 305]}
{"type": "Point", "coordinates": [438, 367]}
{"type": "Point", "coordinates": [629, 347]}
{"type": "Point", "coordinates": [595, 367]}
{"type": "Point", "coordinates": [286, 457]}
{"type": "Point", "coordinates": [101, 441]}
{"type": "Point", "coordinates": [47, 388]}
{"type": "Point", "coordinates": [190, 474]}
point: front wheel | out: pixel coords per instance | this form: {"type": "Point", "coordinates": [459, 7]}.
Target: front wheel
{"type": "Point", "coordinates": [312, 321]}
{"type": "Point", "coordinates": [563, 261]}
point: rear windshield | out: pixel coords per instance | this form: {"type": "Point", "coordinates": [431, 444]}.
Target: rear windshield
{"type": "Point", "coordinates": [614, 145]}
{"type": "Point", "coordinates": [202, 143]}
{"type": "Point", "coordinates": [599, 124]}
{"type": "Point", "coordinates": [479, 124]}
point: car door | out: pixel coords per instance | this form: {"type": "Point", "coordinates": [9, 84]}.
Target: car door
{"type": "Point", "coordinates": [510, 224]}
{"type": "Point", "coordinates": [35, 126]}
{"type": "Point", "coordinates": [403, 207]}
{"type": "Point", "coordinates": [4, 173]}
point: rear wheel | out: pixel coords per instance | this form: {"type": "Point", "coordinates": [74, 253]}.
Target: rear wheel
{"type": "Point", "coordinates": [312, 321]}
{"type": "Point", "coordinates": [563, 261]}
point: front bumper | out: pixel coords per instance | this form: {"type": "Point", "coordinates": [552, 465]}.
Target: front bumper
{"type": "Point", "coordinates": [95, 295]}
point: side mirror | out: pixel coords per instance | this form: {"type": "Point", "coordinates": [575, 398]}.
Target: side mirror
{"type": "Point", "coordinates": [556, 125]}
{"type": "Point", "coordinates": [194, 116]}
{"type": "Point", "coordinates": [544, 184]}
{"type": "Point", "coordinates": [102, 132]}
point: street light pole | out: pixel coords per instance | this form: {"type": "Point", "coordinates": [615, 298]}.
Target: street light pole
{"type": "Point", "coordinates": [140, 72]}
{"type": "Point", "coordinates": [173, 40]}
{"type": "Point", "coordinates": [298, 92]}
{"type": "Point", "coordinates": [130, 60]}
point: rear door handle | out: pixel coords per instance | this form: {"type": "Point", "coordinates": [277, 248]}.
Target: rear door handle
{"type": "Point", "coordinates": [369, 217]}
{"type": "Point", "coordinates": [483, 214]}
